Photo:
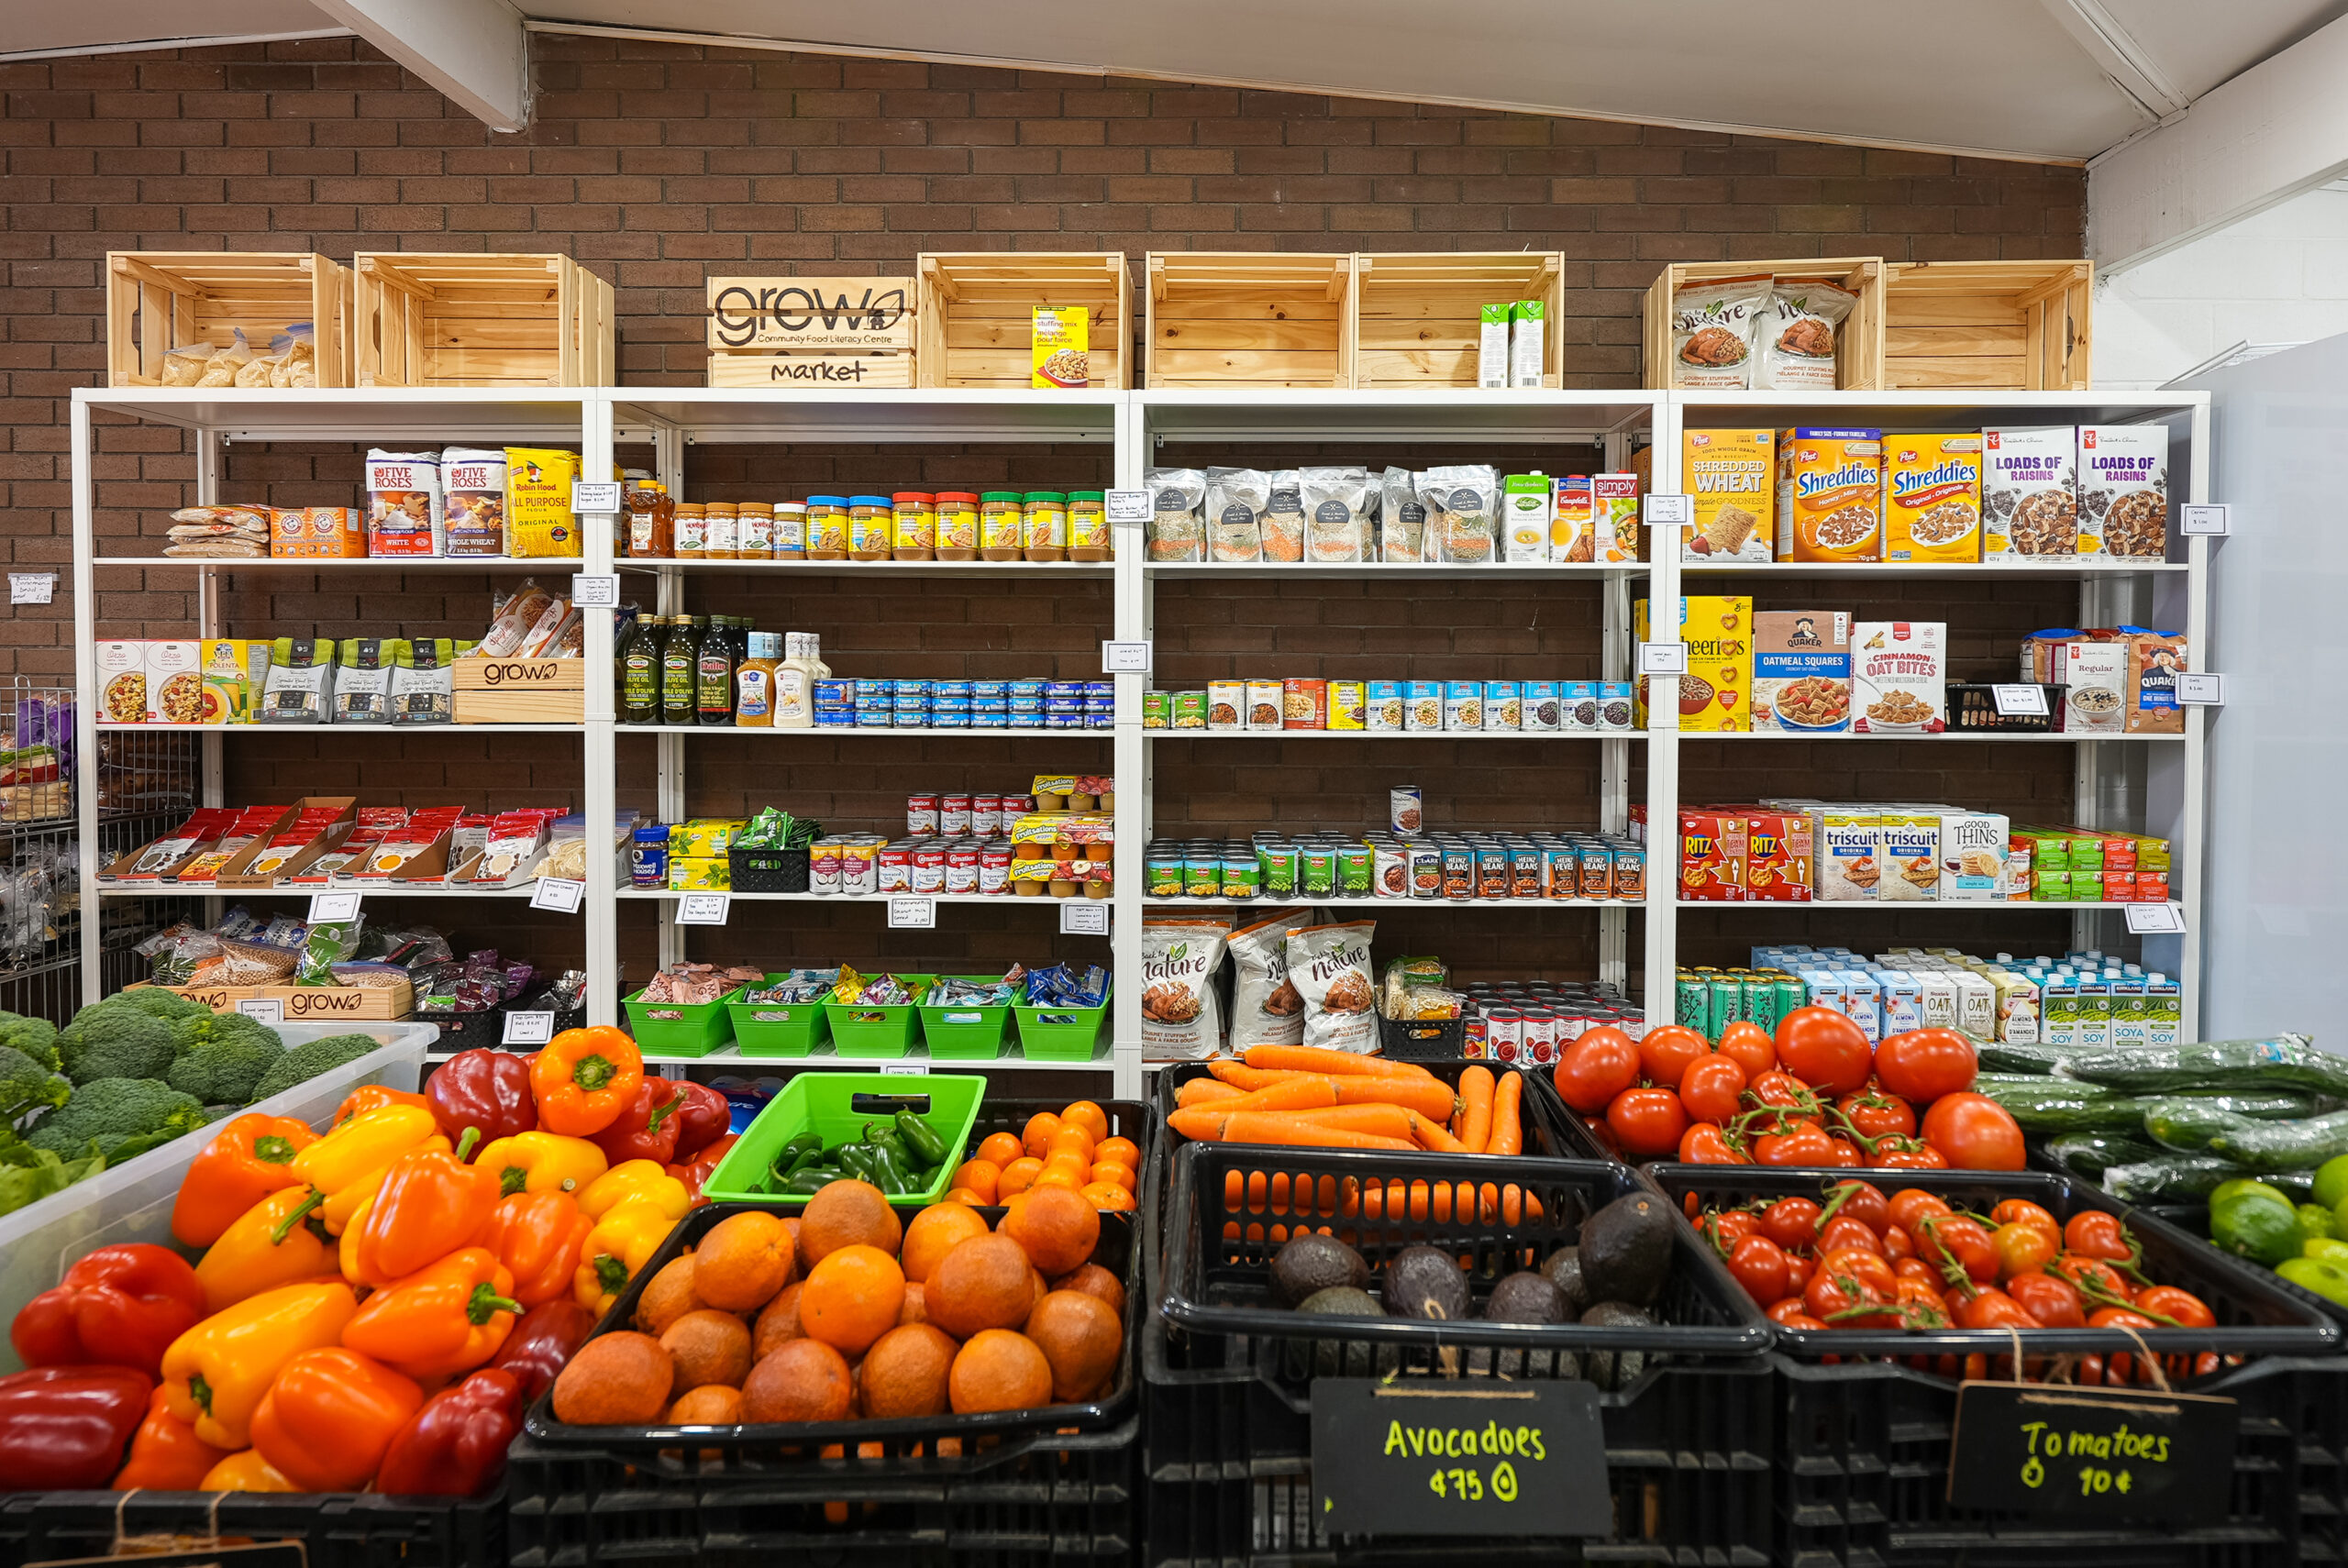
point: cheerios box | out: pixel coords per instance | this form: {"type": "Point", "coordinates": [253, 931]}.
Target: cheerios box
{"type": "Point", "coordinates": [1801, 672]}
{"type": "Point", "coordinates": [1715, 692]}
{"type": "Point", "coordinates": [1830, 495]}
{"type": "Point", "coordinates": [1931, 497]}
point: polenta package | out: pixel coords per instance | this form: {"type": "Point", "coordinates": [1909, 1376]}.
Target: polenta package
{"type": "Point", "coordinates": [538, 503]}
{"type": "Point", "coordinates": [1181, 1018]}
{"type": "Point", "coordinates": [1329, 966]}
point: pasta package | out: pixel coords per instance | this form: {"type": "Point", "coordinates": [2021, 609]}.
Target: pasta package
{"type": "Point", "coordinates": [538, 522]}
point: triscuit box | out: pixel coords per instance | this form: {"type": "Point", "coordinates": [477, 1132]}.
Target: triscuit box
{"type": "Point", "coordinates": [1801, 672]}
{"type": "Point", "coordinates": [1059, 346]}
{"type": "Point", "coordinates": [1731, 477]}
{"type": "Point", "coordinates": [1830, 495]}
{"type": "Point", "coordinates": [1931, 497]}
{"type": "Point", "coordinates": [1911, 856]}
{"type": "Point", "coordinates": [1899, 677]}
{"type": "Point", "coordinates": [1714, 693]}
{"type": "Point", "coordinates": [1847, 845]}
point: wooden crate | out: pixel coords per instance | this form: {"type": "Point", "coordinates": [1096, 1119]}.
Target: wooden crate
{"type": "Point", "coordinates": [1858, 342]}
{"type": "Point", "coordinates": [1417, 317]}
{"type": "Point", "coordinates": [520, 690]}
{"type": "Point", "coordinates": [811, 332]}
{"type": "Point", "coordinates": [1264, 320]}
{"type": "Point", "coordinates": [159, 301]}
{"type": "Point", "coordinates": [479, 320]}
{"type": "Point", "coordinates": [1998, 325]}
{"type": "Point", "coordinates": [328, 1004]}
{"type": "Point", "coordinates": [972, 314]}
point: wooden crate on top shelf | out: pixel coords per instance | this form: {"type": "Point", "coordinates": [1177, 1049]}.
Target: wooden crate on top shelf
{"type": "Point", "coordinates": [975, 313]}
{"type": "Point", "coordinates": [1858, 341]}
{"type": "Point", "coordinates": [1997, 326]}
{"type": "Point", "coordinates": [1249, 320]}
{"type": "Point", "coordinates": [158, 301]}
{"type": "Point", "coordinates": [519, 690]}
{"type": "Point", "coordinates": [430, 320]}
{"type": "Point", "coordinates": [1417, 318]}
{"type": "Point", "coordinates": [811, 332]}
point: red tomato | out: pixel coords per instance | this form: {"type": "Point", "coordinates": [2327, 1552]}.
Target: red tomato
{"type": "Point", "coordinates": [1926, 1064]}
{"type": "Point", "coordinates": [1647, 1123]}
{"type": "Point", "coordinates": [2092, 1234]}
{"type": "Point", "coordinates": [2021, 1212]}
{"type": "Point", "coordinates": [1994, 1309]}
{"type": "Point", "coordinates": [1705, 1144]}
{"type": "Point", "coordinates": [2050, 1300]}
{"type": "Point", "coordinates": [1846, 1155]}
{"type": "Point", "coordinates": [1906, 1155]}
{"type": "Point", "coordinates": [1600, 1064]}
{"type": "Point", "coordinates": [1759, 1265]}
{"type": "Point", "coordinates": [1913, 1268]}
{"type": "Point", "coordinates": [2022, 1247]}
{"type": "Point", "coordinates": [2093, 1276]}
{"type": "Point", "coordinates": [1943, 1239]}
{"type": "Point", "coordinates": [2187, 1310]}
{"type": "Point", "coordinates": [1844, 1231]}
{"type": "Point", "coordinates": [1974, 1132]}
{"type": "Point", "coordinates": [1872, 1113]}
{"type": "Point", "coordinates": [1726, 1227]}
{"type": "Point", "coordinates": [1846, 1285]}
{"type": "Point", "coordinates": [1712, 1088]}
{"type": "Point", "coordinates": [1799, 1266]}
{"type": "Point", "coordinates": [1783, 1314]}
{"type": "Point", "coordinates": [1665, 1053]}
{"type": "Point", "coordinates": [1782, 1090]}
{"type": "Point", "coordinates": [1792, 1222]}
{"type": "Point", "coordinates": [1750, 1048]}
{"type": "Point", "coordinates": [1862, 1201]}
{"type": "Point", "coordinates": [1806, 1145]}
{"type": "Point", "coordinates": [1825, 1049]}
{"type": "Point", "coordinates": [1910, 1205]}
{"type": "Point", "coordinates": [2120, 1318]}
{"type": "Point", "coordinates": [1919, 1305]}
{"type": "Point", "coordinates": [1898, 1244]}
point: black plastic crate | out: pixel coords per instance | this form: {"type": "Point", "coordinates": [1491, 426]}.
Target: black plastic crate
{"type": "Point", "coordinates": [1422, 1039]}
{"type": "Point", "coordinates": [768, 871]}
{"type": "Point", "coordinates": [340, 1529]}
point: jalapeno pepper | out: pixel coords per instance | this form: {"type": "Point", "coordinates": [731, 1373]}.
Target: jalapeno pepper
{"type": "Point", "coordinates": [921, 1139]}
{"type": "Point", "coordinates": [797, 1154]}
{"type": "Point", "coordinates": [811, 1179]}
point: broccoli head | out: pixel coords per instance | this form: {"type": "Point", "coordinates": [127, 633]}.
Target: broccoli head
{"type": "Point", "coordinates": [312, 1058]}
{"type": "Point", "coordinates": [111, 1041]}
{"type": "Point", "coordinates": [26, 1085]}
{"type": "Point", "coordinates": [224, 1071]}
{"type": "Point", "coordinates": [113, 1111]}
{"type": "Point", "coordinates": [157, 1002]}
{"type": "Point", "coordinates": [36, 1037]}
{"type": "Point", "coordinates": [206, 1028]}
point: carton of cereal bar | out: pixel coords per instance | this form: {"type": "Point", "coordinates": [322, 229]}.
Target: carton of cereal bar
{"type": "Point", "coordinates": [2030, 494]}
{"type": "Point", "coordinates": [2123, 490]}
{"type": "Point", "coordinates": [1899, 677]}
{"type": "Point", "coordinates": [1732, 479]}
{"type": "Point", "coordinates": [1931, 498]}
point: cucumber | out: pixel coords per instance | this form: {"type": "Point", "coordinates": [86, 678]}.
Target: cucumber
{"type": "Point", "coordinates": [2028, 1084]}
{"type": "Point", "coordinates": [2048, 1106]}
{"type": "Point", "coordinates": [2170, 1178]}
{"type": "Point", "coordinates": [2285, 1145]}
{"type": "Point", "coordinates": [2288, 1061]}
{"type": "Point", "coordinates": [2259, 1105]}
{"type": "Point", "coordinates": [1998, 1056]}
{"type": "Point", "coordinates": [2187, 1126]}
{"type": "Point", "coordinates": [2090, 1155]}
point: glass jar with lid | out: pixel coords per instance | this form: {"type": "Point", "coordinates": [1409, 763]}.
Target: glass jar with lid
{"type": "Point", "coordinates": [1002, 525]}
{"type": "Point", "coordinates": [827, 527]}
{"type": "Point", "coordinates": [913, 532]}
{"type": "Point", "coordinates": [1088, 525]}
{"type": "Point", "coordinates": [869, 520]}
{"type": "Point", "coordinates": [957, 525]}
{"type": "Point", "coordinates": [1044, 531]}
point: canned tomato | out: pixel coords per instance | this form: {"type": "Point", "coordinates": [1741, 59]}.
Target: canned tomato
{"type": "Point", "coordinates": [954, 815]}
{"type": "Point", "coordinates": [962, 868]}
{"type": "Point", "coordinates": [1540, 1037]}
{"type": "Point", "coordinates": [1504, 1033]}
{"type": "Point", "coordinates": [1471, 1037]}
{"type": "Point", "coordinates": [929, 869]}
{"type": "Point", "coordinates": [920, 816]}
{"type": "Point", "coordinates": [895, 868]}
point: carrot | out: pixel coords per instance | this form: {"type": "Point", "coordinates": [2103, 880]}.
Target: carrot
{"type": "Point", "coordinates": [1313, 1059]}
{"type": "Point", "coordinates": [1270, 1127]}
{"type": "Point", "coordinates": [1476, 1113]}
{"type": "Point", "coordinates": [1386, 1120]}
{"type": "Point", "coordinates": [1200, 1091]}
{"type": "Point", "coordinates": [1297, 1094]}
{"type": "Point", "coordinates": [1201, 1123]}
{"type": "Point", "coordinates": [1432, 1098]}
{"type": "Point", "coordinates": [1431, 1136]}
{"type": "Point", "coordinates": [1239, 1074]}
{"type": "Point", "coordinates": [1508, 1116]}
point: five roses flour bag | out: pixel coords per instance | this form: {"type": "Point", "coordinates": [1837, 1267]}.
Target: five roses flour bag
{"type": "Point", "coordinates": [1329, 966]}
{"type": "Point", "coordinates": [1179, 1017]}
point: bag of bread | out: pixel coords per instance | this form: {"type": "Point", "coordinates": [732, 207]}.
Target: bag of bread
{"type": "Point", "coordinates": [1265, 1007]}
{"type": "Point", "coordinates": [1463, 509]}
{"type": "Point", "coordinates": [1329, 966]}
{"type": "Point", "coordinates": [514, 620]}
{"type": "Point", "coordinates": [1179, 1017]}
{"type": "Point", "coordinates": [1236, 501]}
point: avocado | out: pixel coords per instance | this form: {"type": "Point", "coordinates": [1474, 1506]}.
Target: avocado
{"type": "Point", "coordinates": [1612, 1369]}
{"type": "Point", "coordinates": [1526, 1298]}
{"type": "Point", "coordinates": [1311, 1263]}
{"type": "Point", "coordinates": [1564, 1269]}
{"type": "Point", "coordinates": [1334, 1358]}
{"type": "Point", "coordinates": [1627, 1250]}
{"type": "Point", "coordinates": [1421, 1282]}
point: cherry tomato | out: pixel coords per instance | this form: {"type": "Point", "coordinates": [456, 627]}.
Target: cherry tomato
{"type": "Point", "coordinates": [1943, 1239]}
{"type": "Point", "coordinates": [1806, 1145]}
{"type": "Point", "coordinates": [1872, 1113]}
{"type": "Point", "coordinates": [1705, 1144]}
{"type": "Point", "coordinates": [1750, 1048]}
{"type": "Point", "coordinates": [2021, 1212]}
{"type": "Point", "coordinates": [1600, 1064]}
{"type": "Point", "coordinates": [1799, 1266]}
{"type": "Point", "coordinates": [1792, 1222]}
{"type": "Point", "coordinates": [1759, 1265]}
{"type": "Point", "coordinates": [2022, 1247]}
{"type": "Point", "coordinates": [1825, 1049]}
{"type": "Point", "coordinates": [2120, 1318]}
{"type": "Point", "coordinates": [2090, 1372]}
{"type": "Point", "coordinates": [1913, 1268]}
{"type": "Point", "coordinates": [1844, 1231]}
{"type": "Point", "coordinates": [2167, 1301]}
{"type": "Point", "coordinates": [1897, 1243]}
{"type": "Point", "coordinates": [1974, 1132]}
{"type": "Point", "coordinates": [1919, 1305]}
{"type": "Point", "coordinates": [2092, 1276]}
{"type": "Point", "coordinates": [1993, 1308]}
{"type": "Point", "coordinates": [1726, 1227]}
{"type": "Point", "coordinates": [2092, 1234]}
{"type": "Point", "coordinates": [2050, 1300]}
{"type": "Point", "coordinates": [1846, 1285]}
{"type": "Point", "coordinates": [1712, 1088]}
{"type": "Point", "coordinates": [1647, 1123]}
{"type": "Point", "coordinates": [1911, 1204]}
{"type": "Point", "coordinates": [1862, 1200]}
{"type": "Point", "coordinates": [1924, 1064]}
{"type": "Point", "coordinates": [1789, 1309]}
{"type": "Point", "coordinates": [1666, 1052]}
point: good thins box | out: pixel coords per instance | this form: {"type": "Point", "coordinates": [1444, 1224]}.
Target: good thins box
{"type": "Point", "coordinates": [1801, 672]}
{"type": "Point", "coordinates": [1777, 858]}
{"type": "Point", "coordinates": [1830, 495]}
{"type": "Point", "coordinates": [1731, 483]}
{"type": "Point", "coordinates": [1715, 692]}
{"type": "Point", "coordinates": [1973, 856]}
{"type": "Point", "coordinates": [1712, 846]}
{"type": "Point", "coordinates": [1931, 498]}
{"type": "Point", "coordinates": [1899, 677]}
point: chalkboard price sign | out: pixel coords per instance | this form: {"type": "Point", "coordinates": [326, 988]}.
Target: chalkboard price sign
{"type": "Point", "coordinates": [1522, 1459]}
{"type": "Point", "coordinates": [2092, 1452]}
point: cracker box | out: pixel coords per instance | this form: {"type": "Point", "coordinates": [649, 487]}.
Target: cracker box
{"type": "Point", "coordinates": [1899, 677]}
{"type": "Point", "coordinates": [1777, 858]}
{"type": "Point", "coordinates": [1713, 847]}
{"type": "Point", "coordinates": [1973, 856]}
{"type": "Point", "coordinates": [2030, 494]}
{"type": "Point", "coordinates": [1801, 672]}
{"type": "Point", "coordinates": [1931, 497]}
{"type": "Point", "coordinates": [1830, 495]}
{"type": "Point", "coordinates": [1911, 856]}
{"type": "Point", "coordinates": [2123, 490]}
{"type": "Point", "coordinates": [1731, 477]}
{"type": "Point", "coordinates": [1714, 694]}
{"type": "Point", "coordinates": [1848, 848]}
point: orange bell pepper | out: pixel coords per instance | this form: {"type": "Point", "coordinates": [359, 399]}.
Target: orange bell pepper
{"type": "Point", "coordinates": [245, 1471]}
{"type": "Point", "coordinates": [217, 1372]}
{"type": "Point", "coordinates": [346, 1165]}
{"type": "Point", "coordinates": [584, 1079]}
{"type": "Point", "coordinates": [166, 1456]}
{"type": "Point", "coordinates": [373, 1097]}
{"type": "Point", "coordinates": [277, 1242]}
{"type": "Point", "coordinates": [328, 1418]}
{"type": "Point", "coordinates": [429, 1205]}
{"type": "Point", "coordinates": [249, 1158]}
{"type": "Point", "coordinates": [538, 1235]}
{"type": "Point", "coordinates": [440, 1321]}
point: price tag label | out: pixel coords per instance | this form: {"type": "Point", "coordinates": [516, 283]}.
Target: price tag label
{"type": "Point", "coordinates": [2208, 521]}
{"type": "Point", "coordinates": [334, 907]}
{"type": "Point", "coordinates": [560, 894]}
{"type": "Point", "coordinates": [2020, 700]}
{"type": "Point", "coordinates": [1663, 658]}
{"type": "Point", "coordinates": [595, 591]}
{"type": "Point", "coordinates": [527, 1029]}
{"type": "Point", "coordinates": [1125, 658]}
{"type": "Point", "coordinates": [2202, 690]}
{"type": "Point", "coordinates": [1524, 1459]}
{"type": "Point", "coordinates": [2156, 920]}
{"type": "Point", "coordinates": [702, 908]}
{"type": "Point", "coordinates": [905, 1070]}
{"type": "Point", "coordinates": [1084, 917]}
{"type": "Point", "coordinates": [31, 586]}
{"type": "Point", "coordinates": [1129, 508]}
{"type": "Point", "coordinates": [1668, 511]}
{"type": "Point", "coordinates": [263, 1009]}
{"type": "Point", "coordinates": [2101, 1453]}
{"type": "Point", "coordinates": [913, 914]}
{"type": "Point", "coordinates": [596, 495]}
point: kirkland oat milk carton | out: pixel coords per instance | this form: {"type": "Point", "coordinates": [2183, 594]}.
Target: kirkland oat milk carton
{"type": "Point", "coordinates": [2030, 504]}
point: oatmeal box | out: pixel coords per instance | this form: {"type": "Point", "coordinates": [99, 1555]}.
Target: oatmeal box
{"type": "Point", "coordinates": [1899, 677]}
{"type": "Point", "coordinates": [2030, 492]}
{"type": "Point", "coordinates": [2123, 490]}
{"type": "Point", "coordinates": [1801, 672]}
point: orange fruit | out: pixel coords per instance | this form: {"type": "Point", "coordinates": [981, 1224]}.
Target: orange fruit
{"type": "Point", "coordinates": [1080, 1337]}
{"type": "Point", "coordinates": [964, 1196]}
{"type": "Point", "coordinates": [1065, 1179]}
{"type": "Point", "coordinates": [626, 1379]}
{"type": "Point", "coordinates": [1089, 1116]}
{"type": "Point", "coordinates": [778, 1324]}
{"type": "Point", "coordinates": [980, 1285]}
{"type": "Point", "coordinates": [932, 1233]}
{"type": "Point", "coordinates": [1057, 1228]}
{"type": "Point", "coordinates": [1107, 1194]}
{"type": "Point", "coordinates": [846, 1214]}
{"type": "Point", "coordinates": [999, 1369]}
{"type": "Point", "coordinates": [1125, 1150]}
{"type": "Point", "coordinates": [1037, 1139]}
{"type": "Point", "coordinates": [1115, 1174]}
{"type": "Point", "coordinates": [713, 1404]}
{"type": "Point", "coordinates": [904, 1373]}
{"type": "Point", "coordinates": [667, 1297]}
{"type": "Point", "coordinates": [979, 1177]}
{"type": "Point", "coordinates": [707, 1346]}
{"type": "Point", "coordinates": [1094, 1280]}
{"type": "Point", "coordinates": [916, 1307]}
{"type": "Point", "coordinates": [1000, 1149]}
{"type": "Point", "coordinates": [853, 1296]}
{"type": "Point", "coordinates": [742, 1261]}
{"type": "Point", "coordinates": [1017, 1177]}
{"type": "Point", "coordinates": [1038, 1289]}
{"type": "Point", "coordinates": [1071, 1140]}
{"type": "Point", "coordinates": [805, 1380]}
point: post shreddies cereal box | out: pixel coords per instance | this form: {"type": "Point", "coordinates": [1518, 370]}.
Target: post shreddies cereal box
{"type": "Point", "coordinates": [1830, 495]}
{"type": "Point", "coordinates": [2123, 490]}
{"type": "Point", "coordinates": [2030, 492]}
{"type": "Point", "coordinates": [1801, 672]}
{"type": "Point", "coordinates": [1731, 477]}
{"type": "Point", "coordinates": [1931, 498]}
{"type": "Point", "coordinates": [1899, 677]}
{"type": "Point", "coordinates": [1715, 692]}
{"type": "Point", "coordinates": [1777, 856]}
{"type": "Point", "coordinates": [1713, 847]}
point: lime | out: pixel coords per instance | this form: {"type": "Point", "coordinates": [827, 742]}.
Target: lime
{"type": "Point", "coordinates": [2316, 1223]}
{"type": "Point", "coordinates": [2251, 1226]}
{"type": "Point", "coordinates": [2227, 1191]}
{"type": "Point", "coordinates": [2332, 1181]}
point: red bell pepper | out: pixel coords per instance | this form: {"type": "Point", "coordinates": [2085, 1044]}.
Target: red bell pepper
{"type": "Point", "coordinates": [705, 1118]}
{"type": "Point", "coordinates": [121, 1306]}
{"type": "Point", "coordinates": [646, 1126]}
{"type": "Point", "coordinates": [63, 1428]}
{"type": "Point", "coordinates": [483, 1089]}
{"type": "Point", "coordinates": [455, 1446]}
{"type": "Point", "coordinates": [542, 1343]}
{"type": "Point", "coordinates": [696, 1174]}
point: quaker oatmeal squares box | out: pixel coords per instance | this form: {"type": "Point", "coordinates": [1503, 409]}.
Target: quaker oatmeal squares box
{"type": "Point", "coordinates": [1931, 497]}
{"type": "Point", "coordinates": [1801, 672]}
{"type": "Point", "coordinates": [2030, 492]}
{"type": "Point", "coordinates": [1830, 495]}
{"type": "Point", "coordinates": [1732, 478]}
{"type": "Point", "coordinates": [2123, 490]}
{"type": "Point", "coordinates": [1899, 677]}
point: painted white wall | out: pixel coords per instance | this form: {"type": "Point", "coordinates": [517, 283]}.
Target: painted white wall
{"type": "Point", "coordinates": [2280, 276]}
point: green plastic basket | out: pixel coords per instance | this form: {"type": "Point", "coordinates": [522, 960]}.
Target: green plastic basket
{"type": "Point", "coordinates": [837, 1105]}
{"type": "Point", "coordinates": [972, 1034]}
{"type": "Point", "coordinates": [859, 1032]}
{"type": "Point", "coordinates": [1062, 1033]}
{"type": "Point", "coordinates": [666, 1029]}
{"type": "Point", "coordinates": [777, 1029]}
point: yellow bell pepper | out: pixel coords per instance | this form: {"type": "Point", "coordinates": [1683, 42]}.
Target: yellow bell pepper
{"type": "Point", "coordinates": [249, 1258]}
{"type": "Point", "coordinates": [245, 1471]}
{"type": "Point", "coordinates": [216, 1374]}
{"type": "Point", "coordinates": [634, 1181]}
{"type": "Point", "coordinates": [619, 1246]}
{"type": "Point", "coordinates": [541, 1162]}
{"type": "Point", "coordinates": [347, 1166]}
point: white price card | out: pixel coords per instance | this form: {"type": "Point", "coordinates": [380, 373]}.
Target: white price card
{"type": "Point", "coordinates": [1663, 658]}
{"type": "Point", "coordinates": [1084, 917]}
{"type": "Point", "coordinates": [334, 907]}
{"type": "Point", "coordinates": [2202, 690]}
{"type": "Point", "coordinates": [596, 495]}
{"type": "Point", "coordinates": [2156, 920]}
{"type": "Point", "coordinates": [527, 1029]}
{"type": "Point", "coordinates": [1129, 508]}
{"type": "Point", "coordinates": [912, 913]}
{"type": "Point", "coordinates": [560, 894]}
{"type": "Point", "coordinates": [702, 908]}
{"type": "Point", "coordinates": [263, 1009]}
{"type": "Point", "coordinates": [1669, 510]}
{"type": "Point", "coordinates": [31, 586]}
{"type": "Point", "coordinates": [905, 1070]}
{"type": "Point", "coordinates": [2020, 700]}
{"type": "Point", "coordinates": [2205, 520]}
{"type": "Point", "coordinates": [596, 590]}
{"type": "Point", "coordinates": [1125, 658]}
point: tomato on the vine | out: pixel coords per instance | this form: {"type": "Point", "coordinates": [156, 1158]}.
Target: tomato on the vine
{"type": "Point", "coordinates": [1897, 1243]}
{"type": "Point", "coordinates": [2053, 1302]}
{"type": "Point", "coordinates": [2092, 1276]}
{"type": "Point", "coordinates": [1799, 1266]}
{"type": "Point", "coordinates": [1909, 1207]}
{"type": "Point", "coordinates": [1790, 1314]}
{"type": "Point", "coordinates": [1946, 1239]}
{"type": "Point", "coordinates": [1666, 1053]}
{"type": "Point", "coordinates": [1913, 1268]}
{"type": "Point", "coordinates": [1875, 1113]}
{"type": "Point", "coordinates": [1825, 1049]}
{"type": "Point", "coordinates": [1792, 1222]}
{"type": "Point", "coordinates": [1993, 1308]}
{"type": "Point", "coordinates": [1647, 1121]}
{"type": "Point", "coordinates": [1781, 1090]}
{"type": "Point", "coordinates": [1749, 1046]}
{"type": "Point", "coordinates": [1726, 1227]}
{"type": "Point", "coordinates": [1974, 1132]}
{"type": "Point", "coordinates": [1806, 1143]}
{"type": "Point", "coordinates": [1919, 1305]}
{"type": "Point", "coordinates": [2092, 1234]}
{"type": "Point", "coordinates": [2187, 1310]}
{"type": "Point", "coordinates": [1848, 1284]}
{"type": "Point", "coordinates": [2022, 1211]}
{"type": "Point", "coordinates": [1705, 1144]}
{"type": "Point", "coordinates": [1924, 1064]}
{"type": "Point", "coordinates": [1600, 1064]}
{"type": "Point", "coordinates": [1759, 1265]}
{"type": "Point", "coordinates": [1896, 1153]}
{"type": "Point", "coordinates": [1842, 1231]}
{"type": "Point", "coordinates": [2022, 1247]}
{"type": "Point", "coordinates": [1862, 1200]}
{"type": "Point", "coordinates": [1712, 1088]}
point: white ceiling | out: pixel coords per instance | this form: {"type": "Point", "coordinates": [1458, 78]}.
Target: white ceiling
{"type": "Point", "coordinates": [2017, 77]}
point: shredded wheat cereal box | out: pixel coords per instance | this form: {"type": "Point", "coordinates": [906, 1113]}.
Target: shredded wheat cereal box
{"type": "Point", "coordinates": [1731, 477]}
{"type": "Point", "coordinates": [1830, 495]}
{"type": "Point", "coordinates": [1931, 498]}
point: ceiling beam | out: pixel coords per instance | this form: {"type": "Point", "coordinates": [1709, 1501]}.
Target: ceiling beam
{"type": "Point", "coordinates": [474, 52]}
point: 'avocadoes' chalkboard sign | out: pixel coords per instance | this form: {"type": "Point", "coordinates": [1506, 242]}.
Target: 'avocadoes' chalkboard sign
{"type": "Point", "coordinates": [2092, 1452]}
{"type": "Point", "coordinates": [1522, 1459]}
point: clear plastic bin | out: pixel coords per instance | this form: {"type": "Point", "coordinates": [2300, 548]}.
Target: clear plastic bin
{"type": "Point", "coordinates": [133, 1202]}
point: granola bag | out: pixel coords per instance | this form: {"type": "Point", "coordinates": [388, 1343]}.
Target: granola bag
{"type": "Point", "coordinates": [1179, 1017]}
{"type": "Point", "coordinates": [1235, 500]}
{"type": "Point", "coordinates": [1265, 1007]}
{"type": "Point", "coordinates": [1329, 966]}
{"type": "Point", "coordinates": [1176, 531]}
{"type": "Point", "coordinates": [1798, 334]}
